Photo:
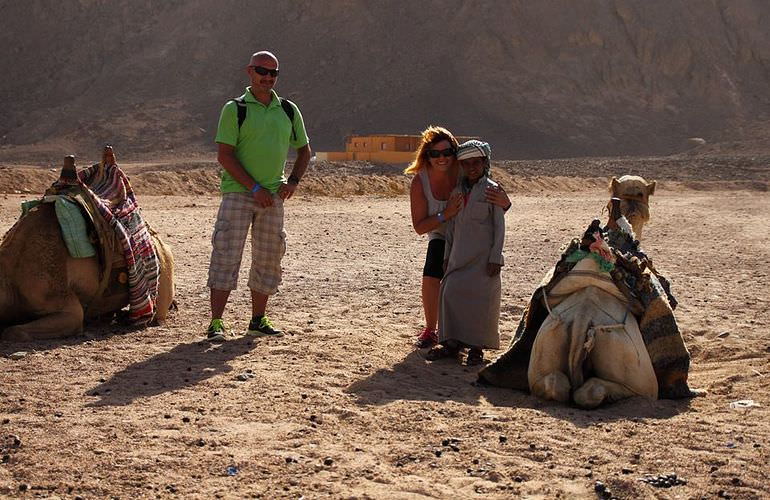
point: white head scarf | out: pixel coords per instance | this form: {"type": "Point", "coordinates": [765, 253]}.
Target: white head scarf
{"type": "Point", "coordinates": [473, 149]}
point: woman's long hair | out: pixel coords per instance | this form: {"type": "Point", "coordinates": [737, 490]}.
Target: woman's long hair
{"type": "Point", "coordinates": [430, 136]}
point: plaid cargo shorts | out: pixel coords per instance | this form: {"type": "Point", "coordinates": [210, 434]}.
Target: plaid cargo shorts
{"type": "Point", "coordinates": [238, 212]}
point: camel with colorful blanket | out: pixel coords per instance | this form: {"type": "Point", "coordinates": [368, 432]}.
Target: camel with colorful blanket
{"type": "Point", "coordinates": [600, 327]}
{"type": "Point", "coordinates": [83, 251]}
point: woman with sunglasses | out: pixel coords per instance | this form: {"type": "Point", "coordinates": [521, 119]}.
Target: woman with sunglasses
{"type": "Point", "coordinates": [436, 174]}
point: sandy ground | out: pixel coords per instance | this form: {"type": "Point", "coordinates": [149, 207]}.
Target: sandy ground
{"type": "Point", "coordinates": [344, 407]}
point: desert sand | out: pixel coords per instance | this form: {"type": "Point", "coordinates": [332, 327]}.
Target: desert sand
{"type": "Point", "coordinates": [343, 407]}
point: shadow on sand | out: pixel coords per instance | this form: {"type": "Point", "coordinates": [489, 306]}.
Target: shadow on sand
{"type": "Point", "coordinates": [633, 409]}
{"type": "Point", "coordinates": [413, 379]}
{"type": "Point", "coordinates": [93, 331]}
{"type": "Point", "coordinates": [183, 366]}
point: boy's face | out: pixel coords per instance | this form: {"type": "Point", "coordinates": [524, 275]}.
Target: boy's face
{"type": "Point", "coordinates": [473, 167]}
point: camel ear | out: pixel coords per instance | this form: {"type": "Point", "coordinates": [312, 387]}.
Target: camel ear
{"type": "Point", "coordinates": [651, 188]}
{"type": "Point", "coordinates": [613, 185]}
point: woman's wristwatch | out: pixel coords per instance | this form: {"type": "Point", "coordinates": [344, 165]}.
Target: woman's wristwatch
{"type": "Point", "coordinates": [293, 179]}
{"type": "Point", "coordinates": [441, 217]}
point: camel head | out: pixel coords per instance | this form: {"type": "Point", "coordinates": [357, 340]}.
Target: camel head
{"type": "Point", "coordinates": [634, 193]}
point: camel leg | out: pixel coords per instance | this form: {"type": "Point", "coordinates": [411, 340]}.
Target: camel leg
{"type": "Point", "coordinates": [619, 356]}
{"type": "Point", "coordinates": [165, 294]}
{"type": "Point", "coordinates": [548, 362]}
{"type": "Point", "coordinates": [165, 281]}
{"type": "Point", "coordinates": [554, 386]}
{"type": "Point", "coordinates": [597, 391]}
{"type": "Point", "coordinates": [63, 323]}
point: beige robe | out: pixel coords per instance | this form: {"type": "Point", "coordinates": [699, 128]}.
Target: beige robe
{"type": "Point", "coordinates": [469, 308]}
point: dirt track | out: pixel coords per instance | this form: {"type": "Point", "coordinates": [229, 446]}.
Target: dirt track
{"type": "Point", "coordinates": [344, 407]}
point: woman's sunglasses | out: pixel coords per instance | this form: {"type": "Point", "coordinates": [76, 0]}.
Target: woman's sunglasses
{"type": "Point", "coordinates": [435, 153]}
{"type": "Point", "coordinates": [266, 71]}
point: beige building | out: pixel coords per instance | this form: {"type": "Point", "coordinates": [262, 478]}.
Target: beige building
{"type": "Point", "coordinates": [385, 148]}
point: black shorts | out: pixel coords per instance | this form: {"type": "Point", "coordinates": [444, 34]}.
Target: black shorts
{"type": "Point", "coordinates": [434, 259]}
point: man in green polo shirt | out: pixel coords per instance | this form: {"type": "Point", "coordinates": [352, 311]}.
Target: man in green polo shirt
{"type": "Point", "coordinates": [252, 153]}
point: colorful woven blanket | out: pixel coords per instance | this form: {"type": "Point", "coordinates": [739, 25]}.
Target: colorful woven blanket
{"type": "Point", "coordinates": [108, 190]}
{"type": "Point", "coordinates": [650, 300]}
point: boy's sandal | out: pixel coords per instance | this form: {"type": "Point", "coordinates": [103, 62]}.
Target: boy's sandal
{"type": "Point", "coordinates": [475, 357]}
{"type": "Point", "coordinates": [441, 352]}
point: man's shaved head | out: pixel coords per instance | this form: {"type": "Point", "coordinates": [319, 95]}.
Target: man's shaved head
{"type": "Point", "coordinates": [260, 57]}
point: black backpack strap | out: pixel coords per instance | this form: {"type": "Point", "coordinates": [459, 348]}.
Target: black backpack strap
{"type": "Point", "coordinates": [286, 104]}
{"type": "Point", "coordinates": [241, 105]}
{"type": "Point", "coordinates": [288, 108]}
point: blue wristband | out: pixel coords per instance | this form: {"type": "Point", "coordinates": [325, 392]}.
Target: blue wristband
{"type": "Point", "coordinates": [256, 187]}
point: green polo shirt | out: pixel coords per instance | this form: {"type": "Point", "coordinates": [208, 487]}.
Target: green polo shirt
{"type": "Point", "coordinates": [262, 143]}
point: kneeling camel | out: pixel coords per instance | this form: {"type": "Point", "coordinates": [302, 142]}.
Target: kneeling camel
{"type": "Point", "coordinates": [45, 293]}
{"type": "Point", "coordinates": [586, 335]}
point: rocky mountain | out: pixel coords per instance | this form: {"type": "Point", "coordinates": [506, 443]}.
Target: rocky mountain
{"type": "Point", "coordinates": [552, 78]}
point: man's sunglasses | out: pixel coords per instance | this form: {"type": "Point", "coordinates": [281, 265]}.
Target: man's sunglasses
{"type": "Point", "coordinates": [435, 153]}
{"type": "Point", "coordinates": [265, 71]}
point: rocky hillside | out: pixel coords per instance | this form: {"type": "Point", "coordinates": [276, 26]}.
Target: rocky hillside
{"type": "Point", "coordinates": [551, 78]}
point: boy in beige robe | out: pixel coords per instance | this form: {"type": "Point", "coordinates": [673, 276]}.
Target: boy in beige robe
{"type": "Point", "coordinates": [469, 308]}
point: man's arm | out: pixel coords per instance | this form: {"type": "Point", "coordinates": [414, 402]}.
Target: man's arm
{"type": "Point", "coordinates": [300, 166]}
{"type": "Point", "coordinates": [226, 157]}
{"type": "Point", "coordinates": [226, 139]}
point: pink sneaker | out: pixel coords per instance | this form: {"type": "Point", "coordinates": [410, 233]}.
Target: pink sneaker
{"type": "Point", "coordinates": [428, 338]}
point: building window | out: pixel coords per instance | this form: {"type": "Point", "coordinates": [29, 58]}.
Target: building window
{"type": "Point", "coordinates": [384, 146]}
